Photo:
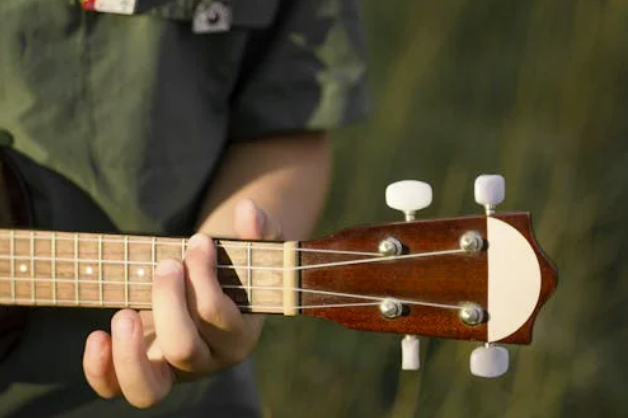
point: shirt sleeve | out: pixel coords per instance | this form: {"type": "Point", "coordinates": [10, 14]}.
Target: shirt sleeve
{"type": "Point", "coordinates": [306, 71]}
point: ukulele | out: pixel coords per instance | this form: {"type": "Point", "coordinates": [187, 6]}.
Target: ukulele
{"type": "Point", "coordinates": [481, 278]}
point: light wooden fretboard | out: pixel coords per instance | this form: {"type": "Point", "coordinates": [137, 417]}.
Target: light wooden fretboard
{"type": "Point", "coordinates": [41, 268]}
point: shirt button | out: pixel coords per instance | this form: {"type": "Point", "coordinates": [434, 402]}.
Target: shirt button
{"type": "Point", "coordinates": [212, 18]}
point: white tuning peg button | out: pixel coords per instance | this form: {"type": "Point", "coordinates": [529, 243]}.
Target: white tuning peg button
{"type": "Point", "coordinates": [490, 191]}
{"type": "Point", "coordinates": [410, 355]}
{"type": "Point", "coordinates": [489, 361]}
{"type": "Point", "coordinates": [409, 196]}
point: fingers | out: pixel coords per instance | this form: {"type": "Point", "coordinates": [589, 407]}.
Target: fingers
{"type": "Point", "coordinates": [98, 365]}
{"type": "Point", "coordinates": [176, 331]}
{"type": "Point", "coordinates": [250, 222]}
{"type": "Point", "coordinates": [219, 320]}
{"type": "Point", "coordinates": [143, 382]}
{"type": "Point", "coordinates": [197, 327]}
{"type": "Point", "coordinates": [120, 363]}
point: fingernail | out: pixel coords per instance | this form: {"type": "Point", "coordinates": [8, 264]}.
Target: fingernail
{"type": "Point", "coordinates": [168, 267]}
{"type": "Point", "coordinates": [124, 327]}
{"type": "Point", "coordinates": [197, 241]}
{"type": "Point", "coordinates": [93, 349]}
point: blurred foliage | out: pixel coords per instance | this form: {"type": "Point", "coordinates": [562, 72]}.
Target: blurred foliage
{"type": "Point", "coordinates": [535, 90]}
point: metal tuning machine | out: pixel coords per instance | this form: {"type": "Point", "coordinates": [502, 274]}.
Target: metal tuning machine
{"type": "Point", "coordinates": [407, 196]}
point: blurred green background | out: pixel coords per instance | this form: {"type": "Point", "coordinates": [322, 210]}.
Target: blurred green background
{"type": "Point", "coordinates": [535, 90]}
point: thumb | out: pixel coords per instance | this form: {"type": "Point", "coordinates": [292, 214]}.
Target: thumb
{"type": "Point", "coordinates": [251, 222]}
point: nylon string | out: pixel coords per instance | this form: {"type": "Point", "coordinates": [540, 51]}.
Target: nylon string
{"type": "Point", "coordinates": [254, 268]}
{"type": "Point", "coordinates": [148, 305]}
{"type": "Point", "coordinates": [377, 257]}
{"type": "Point", "coordinates": [183, 244]}
{"type": "Point", "coordinates": [375, 300]}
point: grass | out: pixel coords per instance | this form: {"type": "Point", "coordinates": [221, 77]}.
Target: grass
{"type": "Point", "coordinates": [535, 90]}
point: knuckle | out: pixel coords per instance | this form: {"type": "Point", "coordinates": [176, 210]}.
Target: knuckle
{"type": "Point", "coordinates": [182, 354]}
{"type": "Point", "coordinates": [94, 370]}
{"type": "Point", "coordinates": [209, 311]}
{"type": "Point", "coordinates": [199, 260]}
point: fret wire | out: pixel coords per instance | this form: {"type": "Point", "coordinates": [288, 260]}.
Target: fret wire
{"type": "Point", "coordinates": [32, 245]}
{"type": "Point", "coordinates": [249, 289]}
{"type": "Point", "coordinates": [76, 269]}
{"type": "Point", "coordinates": [113, 304]}
{"type": "Point", "coordinates": [83, 281]}
{"type": "Point", "coordinates": [89, 260]}
{"type": "Point", "coordinates": [100, 259]}
{"type": "Point", "coordinates": [12, 264]}
{"type": "Point", "coordinates": [234, 244]}
{"type": "Point", "coordinates": [182, 249]}
{"type": "Point", "coordinates": [126, 271]}
{"type": "Point", "coordinates": [53, 267]}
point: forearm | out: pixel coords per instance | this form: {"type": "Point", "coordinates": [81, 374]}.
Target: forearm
{"type": "Point", "coordinates": [286, 176]}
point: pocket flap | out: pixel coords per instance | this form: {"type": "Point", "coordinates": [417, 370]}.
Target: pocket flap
{"type": "Point", "coordinates": [243, 13]}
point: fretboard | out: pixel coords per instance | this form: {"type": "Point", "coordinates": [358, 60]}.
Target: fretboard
{"type": "Point", "coordinates": [43, 268]}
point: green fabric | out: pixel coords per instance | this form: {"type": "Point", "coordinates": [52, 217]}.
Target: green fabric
{"type": "Point", "coordinates": [41, 376]}
{"type": "Point", "coordinates": [136, 110]}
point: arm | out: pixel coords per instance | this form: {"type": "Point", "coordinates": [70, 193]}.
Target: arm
{"type": "Point", "coordinates": [286, 176]}
{"type": "Point", "coordinates": [194, 328]}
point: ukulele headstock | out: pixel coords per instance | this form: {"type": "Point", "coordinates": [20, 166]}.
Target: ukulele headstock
{"type": "Point", "coordinates": [481, 278]}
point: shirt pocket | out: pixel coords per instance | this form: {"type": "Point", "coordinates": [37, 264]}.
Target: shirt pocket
{"type": "Point", "coordinates": [214, 16]}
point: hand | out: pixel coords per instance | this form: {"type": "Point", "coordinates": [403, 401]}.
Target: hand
{"type": "Point", "coordinates": [193, 330]}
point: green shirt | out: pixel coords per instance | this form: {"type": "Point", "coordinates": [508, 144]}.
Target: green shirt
{"type": "Point", "coordinates": [136, 111]}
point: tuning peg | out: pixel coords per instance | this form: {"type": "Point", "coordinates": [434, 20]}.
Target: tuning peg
{"type": "Point", "coordinates": [409, 196]}
{"type": "Point", "coordinates": [490, 190]}
{"type": "Point", "coordinates": [489, 361]}
{"type": "Point", "coordinates": [410, 353]}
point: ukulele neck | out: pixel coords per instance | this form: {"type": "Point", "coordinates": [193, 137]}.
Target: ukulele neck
{"type": "Point", "coordinates": [42, 268]}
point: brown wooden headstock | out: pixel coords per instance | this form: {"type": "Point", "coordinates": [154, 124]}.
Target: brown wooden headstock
{"type": "Point", "coordinates": [508, 278]}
